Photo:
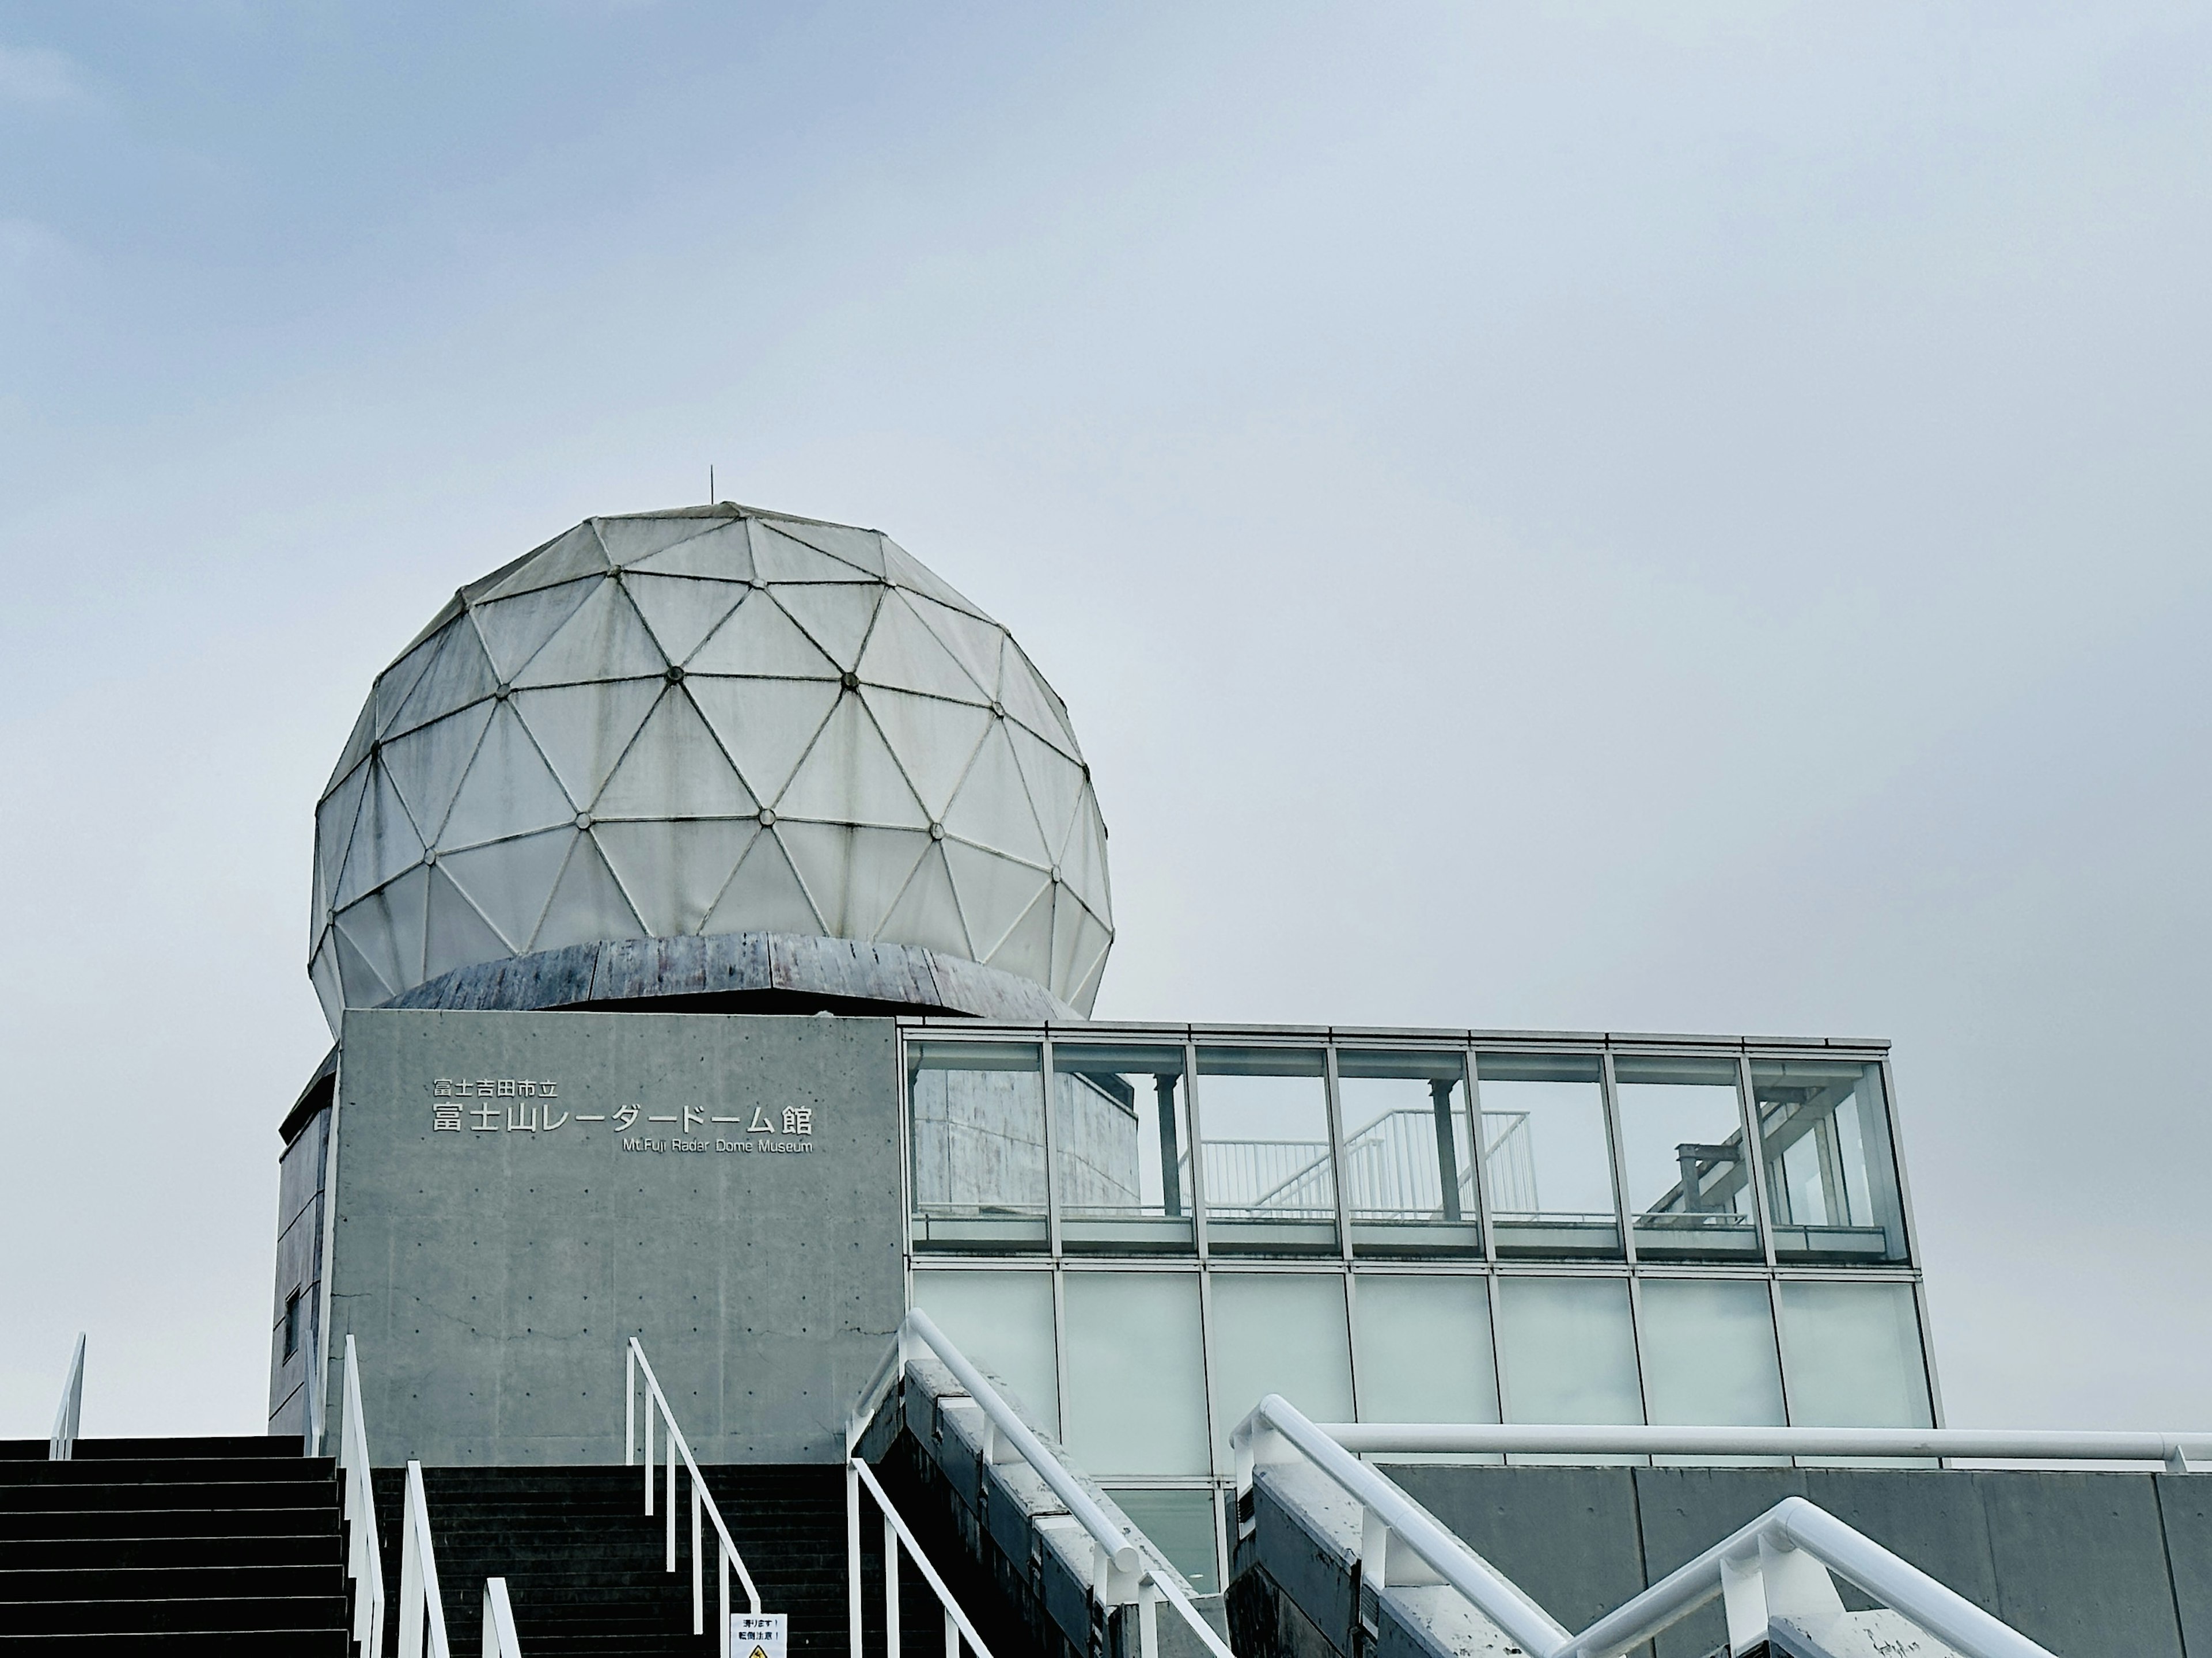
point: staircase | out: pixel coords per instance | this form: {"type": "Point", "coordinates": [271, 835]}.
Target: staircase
{"type": "Point", "coordinates": [586, 1570]}
{"type": "Point", "coordinates": [151, 1546]}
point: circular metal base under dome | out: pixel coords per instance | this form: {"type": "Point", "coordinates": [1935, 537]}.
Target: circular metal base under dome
{"type": "Point", "coordinates": [745, 972]}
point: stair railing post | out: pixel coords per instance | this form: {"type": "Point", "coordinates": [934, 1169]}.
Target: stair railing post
{"type": "Point", "coordinates": [698, 1570]}
{"type": "Point", "coordinates": [629, 1402]}
{"type": "Point", "coordinates": [423, 1607]}
{"type": "Point", "coordinates": [891, 1589]}
{"type": "Point", "coordinates": [498, 1638]}
{"type": "Point", "coordinates": [62, 1446]}
{"type": "Point", "coordinates": [671, 1493]}
{"type": "Point", "coordinates": [651, 1409]}
{"type": "Point", "coordinates": [853, 1555]}
{"type": "Point", "coordinates": [722, 1597]}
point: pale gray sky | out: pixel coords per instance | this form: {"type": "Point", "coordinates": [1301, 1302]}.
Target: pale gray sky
{"type": "Point", "coordinates": [1594, 516]}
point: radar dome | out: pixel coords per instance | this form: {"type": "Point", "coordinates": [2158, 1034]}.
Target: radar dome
{"type": "Point", "coordinates": [710, 721]}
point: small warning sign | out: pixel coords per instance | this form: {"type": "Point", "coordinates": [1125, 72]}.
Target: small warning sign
{"type": "Point", "coordinates": [759, 1634]}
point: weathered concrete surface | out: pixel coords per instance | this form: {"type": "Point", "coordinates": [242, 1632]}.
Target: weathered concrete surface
{"type": "Point", "coordinates": [490, 1274]}
{"type": "Point", "coordinates": [2090, 1565]}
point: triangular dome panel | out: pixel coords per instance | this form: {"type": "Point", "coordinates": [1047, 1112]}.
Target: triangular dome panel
{"type": "Point", "coordinates": [588, 904]}
{"type": "Point", "coordinates": [764, 724]}
{"type": "Point", "coordinates": [994, 893]}
{"type": "Point", "coordinates": [904, 654]}
{"type": "Point", "coordinates": [674, 871]}
{"type": "Point", "coordinates": [384, 839]}
{"type": "Point", "coordinates": [764, 896]}
{"type": "Point", "coordinates": [629, 539]}
{"type": "Point", "coordinates": [584, 729]}
{"type": "Point", "coordinates": [396, 681]}
{"type": "Point", "coordinates": [1027, 948]}
{"type": "Point", "coordinates": [573, 553]}
{"type": "Point", "coordinates": [724, 553]}
{"type": "Point", "coordinates": [862, 548]}
{"type": "Point", "coordinates": [427, 764]}
{"type": "Point", "coordinates": [508, 790]}
{"type": "Point", "coordinates": [991, 807]}
{"type": "Point", "coordinates": [932, 739]}
{"type": "Point", "coordinates": [455, 936]}
{"type": "Point", "coordinates": [363, 984]}
{"type": "Point", "coordinates": [1055, 786]}
{"type": "Point", "coordinates": [356, 744]}
{"type": "Point", "coordinates": [853, 875]}
{"type": "Point", "coordinates": [509, 881]}
{"type": "Point", "coordinates": [926, 913]}
{"type": "Point", "coordinates": [1023, 695]}
{"type": "Point", "coordinates": [334, 825]}
{"type": "Point", "coordinates": [674, 768]}
{"type": "Point", "coordinates": [1082, 861]}
{"type": "Point", "coordinates": [605, 639]}
{"type": "Point", "coordinates": [850, 776]}
{"type": "Point", "coordinates": [778, 557]}
{"type": "Point", "coordinates": [681, 610]}
{"type": "Point", "coordinates": [762, 641]}
{"type": "Point", "coordinates": [978, 644]}
{"type": "Point", "coordinates": [906, 570]}
{"type": "Point", "coordinates": [514, 629]}
{"type": "Point", "coordinates": [386, 927]}
{"type": "Point", "coordinates": [460, 674]}
{"type": "Point", "coordinates": [836, 619]}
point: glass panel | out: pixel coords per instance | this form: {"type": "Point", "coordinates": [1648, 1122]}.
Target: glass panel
{"type": "Point", "coordinates": [1264, 1115]}
{"type": "Point", "coordinates": [1002, 1322]}
{"type": "Point", "coordinates": [1855, 1359]}
{"type": "Point", "coordinates": [977, 1125]}
{"type": "Point", "coordinates": [1424, 1348]}
{"type": "Point", "coordinates": [1831, 1175]}
{"type": "Point", "coordinates": [1181, 1525]}
{"type": "Point", "coordinates": [1278, 1333]}
{"type": "Point", "coordinates": [1408, 1162]}
{"type": "Point", "coordinates": [1681, 1157]}
{"type": "Point", "coordinates": [1123, 1137]}
{"type": "Point", "coordinates": [1709, 1357]}
{"type": "Point", "coordinates": [1568, 1351]}
{"type": "Point", "coordinates": [1544, 1155]}
{"type": "Point", "coordinates": [1136, 1374]}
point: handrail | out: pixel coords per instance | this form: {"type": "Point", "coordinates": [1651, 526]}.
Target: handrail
{"type": "Point", "coordinates": [62, 1446]}
{"type": "Point", "coordinates": [364, 1558]}
{"type": "Point", "coordinates": [896, 1535]}
{"type": "Point", "coordinates": [1116, 1550]}
{"type": "Point", "coordinates": [499, 1640]}
{"type": "Point", "coordinates": [2175, 1451]}
{"type": "Point", "coordinates": [1756, 1570]}
{"type": "Point", "coordinates": [420, 1601]}
{"type": "Point", "coordinates": [1121, 1575]}
{"type": "Point", "coordinates": [656, 1402]}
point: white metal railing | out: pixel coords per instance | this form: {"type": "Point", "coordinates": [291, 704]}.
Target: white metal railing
{"type": "Point", "coordinates": [702, 1500]}
{"type": "Point", "coordinates": [421, 1607]}
{"type": "Point", "coordinates": [2176, 1453]}
{"type": "Point", "coordinates": [1121, 1576]}
{"type": "Point", "coordinates": [499, 1640]}
{"type": "Point", "coordinates": [1777, 1568]}
{"type": "Point", "coordinates": [62, 1445]}
{"type": "Point", "coordinates": [896, 1537]}
{"type": "Point", "coordinates": [364, 1558]}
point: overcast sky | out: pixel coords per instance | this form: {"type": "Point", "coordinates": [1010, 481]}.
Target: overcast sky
{"type": "Point", "coordinates": [1649, 518]}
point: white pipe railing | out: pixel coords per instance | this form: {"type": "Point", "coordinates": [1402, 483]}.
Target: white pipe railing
{"type": "Point", "coordinates": [421, 1607]}
{"type": "Point", "coordinates": [62, 1445]}
{"type": "Point", "coordinates": [702, 1500]}
{"type": "Point", "coordinates": [2176, 1452]}
{"type": "Point", "coordinates": [858, 1474]}
{"type": "Point", "coordinates": [499, 1640]}
{"type": "Point", "coordinates": [364, 1558]}
{"type": "Point", "coordinates": [1121, 1576]}
{"type": "Point", "coordinates": [1778, 1567]}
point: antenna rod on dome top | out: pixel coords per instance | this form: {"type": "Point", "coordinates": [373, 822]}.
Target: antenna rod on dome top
{"type": "Point", "coordinates": [710, 486]}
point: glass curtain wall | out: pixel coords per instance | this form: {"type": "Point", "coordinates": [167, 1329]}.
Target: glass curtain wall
{"type": "Point", "coordinates": [1122, 1149]}
{"type": "Point", "coordinates": [1682, 1159]}
{"type": "Point", "coordinates": [976, 1139]}
{"type": "Point", "coordinates": [1545, 1156]}
{"type": "Point", "coordinates": [1267, 1170]}
{"type": "Point", "coordinates": [1832, 1188]}
{"type": "Point", "coordinates": [1409, 1175]}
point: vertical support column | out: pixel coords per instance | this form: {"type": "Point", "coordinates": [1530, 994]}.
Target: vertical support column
{"type": "Point", "coordinates": [1440, 1093]}
{"type": "Point", "coordinates": [852, 1557]}
{"type": "Point", "coordinates": [1164, 1093]}
{"type": "Point", "coordinates": [891, 1589]}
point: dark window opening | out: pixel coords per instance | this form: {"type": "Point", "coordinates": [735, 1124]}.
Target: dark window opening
{"type": "Point", "coordinates": [291, 1324]}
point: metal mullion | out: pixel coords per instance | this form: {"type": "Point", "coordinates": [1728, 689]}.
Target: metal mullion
{"type": "Point", "coordinates": [1754, 1147]}
{"type": "Point", "coordinates": [1474, 1149]}
{"type": "Point", "coordinates": [1352, 1338]}
{"type": "Point", "coordinates": [1896, 1168]}
{"type": "Point", "coordinates": [1206, 1362]}
{"type": "Point", "coordinates": [1618, 1148]}
{"type": "Point", "coordinates": [1781, 1354]}
{"type": "Point", "coordinates": [1636, 1344]}
{"type": "Point", "coordinates": [1190, 1109]}
{"type": "Point", "coordinates": [1060, 1347]}
{"type": "Point", "coordinates": [1335, 1121]}
{"type": "Point", "coordinates": [1051, 1097]}
{"type": "Point", "coordinates": [1928, 1354]}
{"type": "Point", "coordinates": [1496, 1295]}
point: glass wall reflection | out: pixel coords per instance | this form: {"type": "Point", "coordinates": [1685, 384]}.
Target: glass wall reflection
{"type": "Point", "coordinates": [1122, 1147]}
{"type": "Point", "coordinates": [1544, 1155]}
{"type": "Point", "coordinates": [1409, 1176]}
{"type": "Point", "coordinates": [1267, 1173]}
{"type": "Point", "coordinates": [975, 1133]}
{"type": "Point", "coordinates": [1830, 1173]}
{"type": "Point", "coordinates": [1682, 1158]}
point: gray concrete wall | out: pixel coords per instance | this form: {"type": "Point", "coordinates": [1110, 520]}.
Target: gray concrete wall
{"type": "Point", "coordinates": [299, 1272]}
{"type": "Point", "coordinates": [490, 1274]}
{"type": "Point", "coordinates": [2091, 1566]}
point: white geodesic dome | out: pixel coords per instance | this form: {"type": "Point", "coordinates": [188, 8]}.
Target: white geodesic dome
{"type": "Point", "coordinates": [712, 719]}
